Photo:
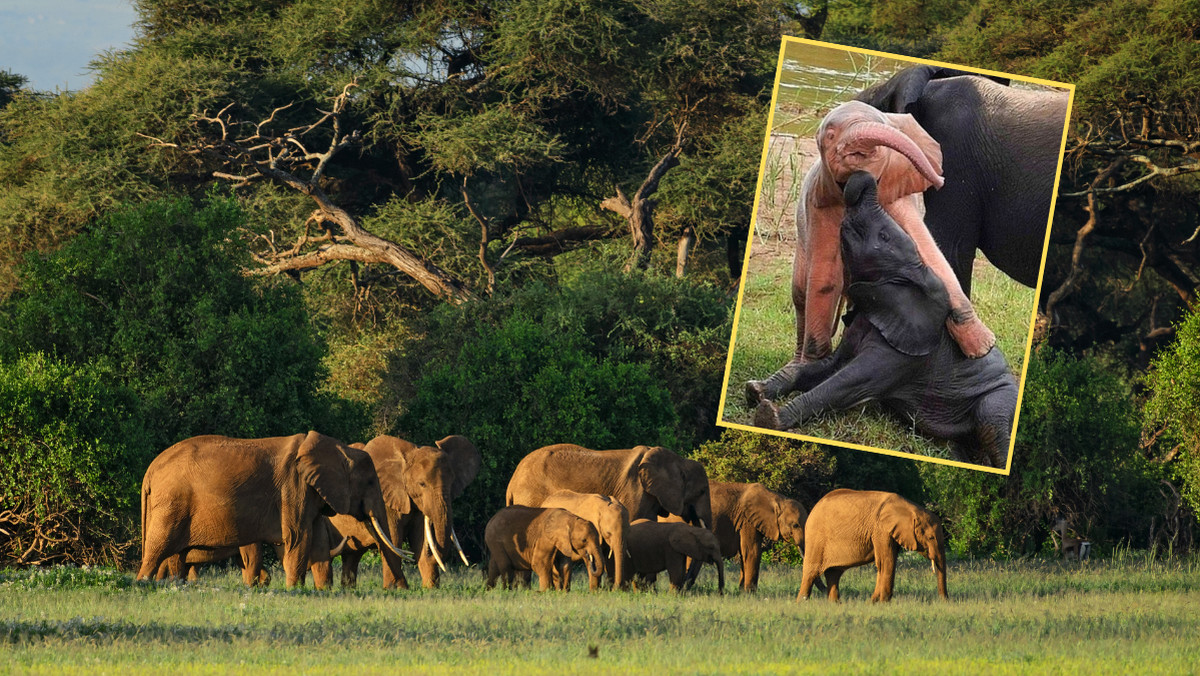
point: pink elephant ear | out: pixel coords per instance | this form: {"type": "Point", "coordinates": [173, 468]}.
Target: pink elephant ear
{"type": "Point", "coordinates": [324, 463]}
{"type": "Point", "coordinates": [899, 177]}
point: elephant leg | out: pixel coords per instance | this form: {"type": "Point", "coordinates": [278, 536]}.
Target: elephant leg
{"type": "Point", "coordinates": [252, 568]}
{"type": "Point", "coordinates": [885, 568]}
{"type": "Point", "coordinates": [832, 577]}
{"type": "Point", "coordinates": [193, 573]}
{"type": "Point", "coordinates": [676, 571]}
{"type": "Point", "coordinates": [393, 571]}
{"type": "Point", "coordinates": [544, 568]}
{"type": "Point", "coordinates": [810, 574]}
{"type": "Point", "coordinates": [751, 555]}
{"type": "Point", "coordinates": [295, 558]}
{"type": "Point", "coordinates": [493, 572]}
{"type": "Point", "coordinates": [968, 330]}
{"type": "Point", "coordinates": [350, 562]}
{"type": "Point", "coordinates": [430, 575]}
{"type": "Point", "coordinates": [993, 424]}
{"type": "Point", "coordinates": [564, 575]}
{"type": "Point", "coordinates": [863, 378]}
{"type": "Point", "coordinates": [525, 579]}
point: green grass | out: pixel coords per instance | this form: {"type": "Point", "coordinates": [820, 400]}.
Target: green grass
{"type": "Point", "coordinates": [1021, 617]}
{"type": "Point", "coordinates": [766, 340]}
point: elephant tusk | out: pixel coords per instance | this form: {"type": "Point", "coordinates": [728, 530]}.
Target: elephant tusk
{"type": "Point", "coordinates": [338, 549]}
{"type": "Point", "coordinates": [433, 545]}
{"type": "Point", "coordinates": [384, 539]}
{"type": "Point", "coordinates": [454, 539]}
{"type": "Point", "coordinates": [703, 525]}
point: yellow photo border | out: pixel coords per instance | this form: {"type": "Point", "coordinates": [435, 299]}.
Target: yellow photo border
{"type": "Point", "coordinates": [753, 224]}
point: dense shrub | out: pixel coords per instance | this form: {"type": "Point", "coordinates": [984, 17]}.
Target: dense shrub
{"type": "Point", "coordinates": [138, 333]}
{"type": "Point", "coordinates": [156, 295]}
{"type": "Point", "coordinates": [1077, 457]}
{"type": "Point", "coordinates": [603, 360]}
{"type": "Point", "coordinates": [72, 450]}
{"type": "Point", "coordinates": [1173, 409]}
{"type": "Point", "coordinates": [800, 470]}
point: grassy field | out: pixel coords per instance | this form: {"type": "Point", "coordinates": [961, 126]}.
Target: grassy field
{"type": "Point", "coordinates": [766, 331]}
{"type": "Point", "coordinates": [1127, 614]}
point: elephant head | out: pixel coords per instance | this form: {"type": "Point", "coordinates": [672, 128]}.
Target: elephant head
{"type": "Point", "coordinates": [427, 479]}
{"type": "Point", "coordinates": [890, 146]}
{"type": "Point", "coordinates": [890, 284]}
{"type": "Point", "coordinates": [700, 545]}
{"type": "Point", "coordinates": [776, 517]}
{"type": "Point", "coordinates": [584, 543]}
{"type": "Point", "coordinates": [346, 481]}
{"type": "Point", "coordinates": [680, 485]}
{"type": "Point", "coordinates": [919, 530]}
{"type": "Point", "coordinates": [610, 518]}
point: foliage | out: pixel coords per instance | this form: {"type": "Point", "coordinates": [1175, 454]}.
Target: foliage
{"type": "Point", "coordinates": [1173, 408]}
{"type": "Point", "coordinates": [911, 27]}
{"type": "Point", "coordinates": [799, 470]}
{"type": "Point", "coordinates": [74, 443]}
{"type": "Point", "coordinates": [10, 84]}
{"type": "Point", "coordinates": [156, 295]}
{"type": "Point", "coordinates": [1076, 457]}
{"type": "Point", "coordinates": [603, 360]}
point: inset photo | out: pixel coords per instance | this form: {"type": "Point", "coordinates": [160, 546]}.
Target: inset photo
{"type": "Point", "coordinates": [890, 289]}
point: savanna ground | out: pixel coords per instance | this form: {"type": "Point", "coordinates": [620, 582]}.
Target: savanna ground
{"type": "Point", "coordinates": [766, 327]}
{"type": "Point", "coordinates": [1131, 613]}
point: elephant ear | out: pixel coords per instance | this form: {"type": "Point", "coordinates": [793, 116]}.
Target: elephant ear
{"type": "Point", "coordinates": [762, 509]}
{"type": "Point", "coordinates": [909, 310]}
{"type": "Point", "coordinates": [391, 469]}
{"type": "Point", "coordinates": [464, 458]}
{"type": "Point", "coordinates": [902, 522]}
{"type": "Point", "coordinates": [324, 463]}
{"type": "Point", "coordinates": [899, 178]}
{"type": "Point", "coordinates": [659, 474]}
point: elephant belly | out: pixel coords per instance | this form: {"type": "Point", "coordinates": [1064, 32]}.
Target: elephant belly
{"type": "Point", "coordinates": [226, 523]}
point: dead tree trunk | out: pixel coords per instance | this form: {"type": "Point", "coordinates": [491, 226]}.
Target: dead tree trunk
{"type": "Point", "coordinates": [686, 241]}
{"type": "Point", "coordinates": [639, 211]}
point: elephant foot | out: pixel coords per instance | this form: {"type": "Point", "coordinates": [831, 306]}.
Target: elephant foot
{"type": "Point", "coordinates": [766, 415]}
{"type": "Point", "coordinates": [756, 391]}
{"type": "Point", "coordinates": [974, 338]}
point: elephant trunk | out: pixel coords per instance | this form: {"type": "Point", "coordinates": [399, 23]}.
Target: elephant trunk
{"type": "Point", "coordinates": [594, 560]}
{"type": "Point", "coordinates": [873, 134]}
{"type": "Point", "coordinates": [620, 559]}
{"type": "Point", "coordinates": [937, 557]}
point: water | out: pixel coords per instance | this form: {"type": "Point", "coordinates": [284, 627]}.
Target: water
{"type": "Point", "coordinates": [815, 79]}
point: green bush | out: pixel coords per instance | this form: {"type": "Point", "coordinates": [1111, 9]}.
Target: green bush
{"type": "Point", "coordinates": [157, 296]}
{"type": "Point", "coordinates": [71, 458]}
{"type": "Point", "coordinates": [1077, 457]}
{"type": "Point", "coordinates": [1173, 409]}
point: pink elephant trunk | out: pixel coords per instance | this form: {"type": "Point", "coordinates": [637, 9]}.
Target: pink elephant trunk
{"type": "Point", "coordinates": [871, 134]}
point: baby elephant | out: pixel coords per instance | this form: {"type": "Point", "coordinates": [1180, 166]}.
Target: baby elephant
{"type": "Point", "coordinates": [849, 528]}
{"type": "Point", "coordinates": [542, 541]}
{"type": "Point", "coordinates": [657, 546]}
{"type": "Point", "coordinates": [896, 348]}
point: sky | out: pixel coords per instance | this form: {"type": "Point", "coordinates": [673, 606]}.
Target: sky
{"type": "Point", "coordinates": [51, 42]}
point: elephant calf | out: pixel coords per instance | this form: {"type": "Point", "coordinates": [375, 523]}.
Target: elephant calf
{"type": "Point", "coordinates": [542, 541]}
{"type": "Point", "coordinates": [896, 348]}
{"type": "Point", "coordinates": [657, 546]}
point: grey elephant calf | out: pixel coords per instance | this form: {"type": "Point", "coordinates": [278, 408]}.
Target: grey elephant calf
{"type": "Point", "coordinates": [896, 348]}
{"type": "Point", "coordinates": [657, 546]}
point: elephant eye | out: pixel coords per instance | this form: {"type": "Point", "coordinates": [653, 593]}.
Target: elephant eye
{"type": "Point", "coordinates": [883, 235]}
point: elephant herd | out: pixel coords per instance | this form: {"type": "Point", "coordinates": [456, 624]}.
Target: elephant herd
{"type": "Point", "coordinates": [627, 515]}
{"type": "Point", "coordinates": [912, 177]}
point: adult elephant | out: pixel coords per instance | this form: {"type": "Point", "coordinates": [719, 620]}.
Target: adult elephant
{"type": "Point", "coordinates": [214, 492]}
{"type": "Point", "coordinates": [419, 484]}
{"type": "Point", "coordinates": [905, 161]}
{"type": "Point", "coordinates": [611, 520]}
{"type": "Point", "coordinates": [745, 514]}
{"type": "Point", "coordinates": [849, 528]}
{"type": "Point", "coordinates": [1000, 147]}
{"type": "Point", "coordinates": [648, 481]}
